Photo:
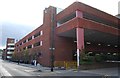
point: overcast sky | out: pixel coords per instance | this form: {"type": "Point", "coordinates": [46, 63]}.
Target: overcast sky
{"type": "Point", "coordinates": [24, 16]}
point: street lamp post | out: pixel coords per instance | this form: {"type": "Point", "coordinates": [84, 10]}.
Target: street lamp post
{"type": "Point", "coordinates": [52, 58]}
{"type": "Point", "coordinates": [52, 44]}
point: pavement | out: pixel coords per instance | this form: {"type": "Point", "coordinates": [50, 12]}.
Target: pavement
{"type": "Point", "coordinates": [31, 70]}
{"type": "Point", "coordinates": [3, 70]}
{"type": "Point", "coordinates": [12, 69]}
{"type": "Point", "coordinates": [72, 72]}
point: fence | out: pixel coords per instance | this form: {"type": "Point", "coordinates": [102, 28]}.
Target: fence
{"type": "Point", "coordinates": [66, 64]}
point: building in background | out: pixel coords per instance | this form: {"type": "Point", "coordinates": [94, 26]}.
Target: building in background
{"type": "Point", "coordinates": [118, 16]}
{"type": "Point", "coordinates": [1, 51]}
{"type": "Point", "coordinates": [4, 54]}
{"type": "Point", "coordinates": [63, 33]}
{"type": "Point", "coordinates": [10, 46]}
{"type": "Point", "coordinates": [119, 8]}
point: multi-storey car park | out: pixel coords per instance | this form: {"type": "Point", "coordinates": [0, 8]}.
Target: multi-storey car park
{"type": "Point", "coordinates": [10, 46]}
{"type": "Point", "coordinates": [76, 28]}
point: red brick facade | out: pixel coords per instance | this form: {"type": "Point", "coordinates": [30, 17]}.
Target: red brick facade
{"type": "Point", "coordinates": [64, 45]}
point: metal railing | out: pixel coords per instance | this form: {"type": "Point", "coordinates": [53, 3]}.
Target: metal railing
{"type": "Point", "coordinates": [66, 64]}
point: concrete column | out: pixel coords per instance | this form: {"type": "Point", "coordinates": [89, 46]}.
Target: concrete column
{"type": "Point", "coordinates": [79, 14]}
{"type": "Point", "coordinates": [80, 38]}
{"type": "Point", "coordinates": [80, 43]}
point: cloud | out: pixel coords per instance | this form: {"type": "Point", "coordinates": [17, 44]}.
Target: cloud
{"type": "Point", "coordinates": [23, 16]}
{"type": "Point", "coordinates": [16, 31]}
{"type": "Point", "coordinates": [119, 7]}
{"type": "Point", "coordinates": [27, 12]}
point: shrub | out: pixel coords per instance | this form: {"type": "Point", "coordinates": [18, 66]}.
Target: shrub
{"type": "Point", "coordinates": [98, 58]}
{"type": "Point", "coordinates": [87, 60]}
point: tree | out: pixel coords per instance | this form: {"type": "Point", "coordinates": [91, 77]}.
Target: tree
{"type": "Point", "coordinates": [14, 56]}
{"type": "Point", "coordinates": [26, 56]}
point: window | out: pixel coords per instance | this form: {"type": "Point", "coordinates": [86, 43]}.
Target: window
{"type": "Point", "coordinates": [37, 34]}
{"type": "Point", "coordinates": [24, 48]}
{"type": "Point", "coordinates": [20, 43]}
{"type": "Point", "coordinates": [41, 43]}
{"type": "Point", "coordinates": [37, 44]}
{"type": "Point", "coordinates": [30, 46]}
{"type": "Point", "coordinates": [10, 50]}
{"type": "Point", "coordinates": [24, 41]}
{"type": "Point", "coordinates": [30, 38]}
{"type": "Point", "coordinates": [99, 20]}
{"type": "Point", "coordinates": [65, 19]}
{"type": "Point", "coordinates": [12, 46]}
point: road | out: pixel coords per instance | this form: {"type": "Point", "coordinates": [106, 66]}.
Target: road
{"type": "Point", "coordinates": [13, 69]}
